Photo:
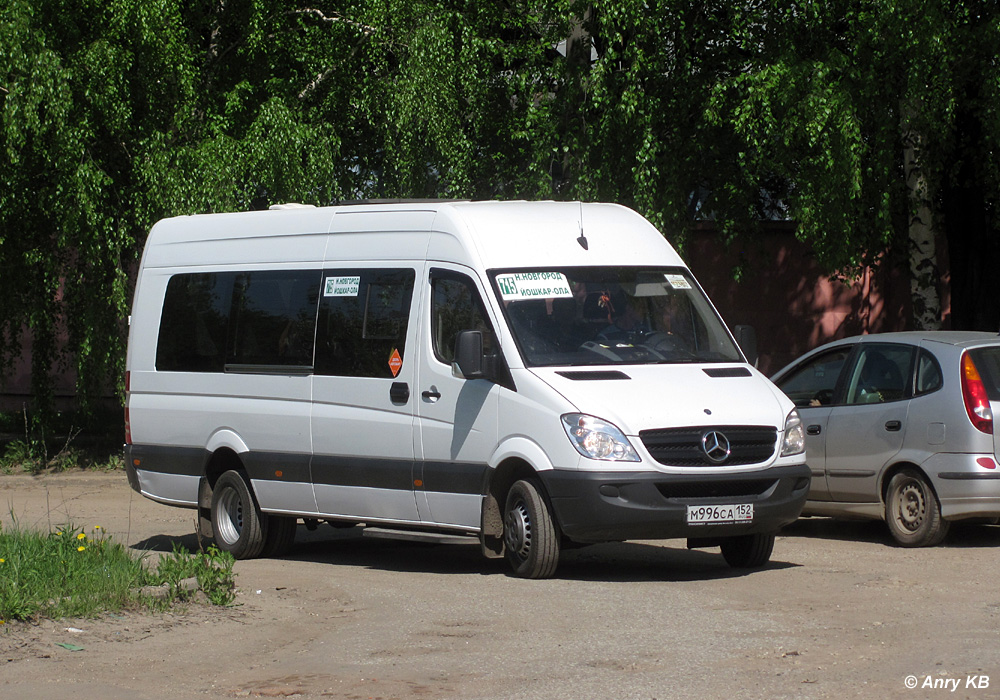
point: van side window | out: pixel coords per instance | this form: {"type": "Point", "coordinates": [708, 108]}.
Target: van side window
{"type": "Point", "coordinates": [456, 306]}
{"type": "Point", "coordinates": [274, 318]}
{"type": "Point", "coordinates": [363, 316]}
{"type": "Point", "coordinates": [193, 324]}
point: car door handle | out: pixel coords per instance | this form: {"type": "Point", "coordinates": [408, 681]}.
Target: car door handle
{"type": "Point", "coordinates": [399, 392]}
{"type": "Point", "coordinates": [893, 425]}
{"type": "Point", "coordinates": [431, 394]}
{"type": "Point", "coordinates": [814, 430]}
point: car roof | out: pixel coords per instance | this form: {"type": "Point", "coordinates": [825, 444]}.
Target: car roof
{"type": "Point", "coordinates": [964, 339]}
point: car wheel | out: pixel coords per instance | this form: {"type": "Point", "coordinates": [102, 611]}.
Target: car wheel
{"type": "Point", "coordinates": [531, 542]}
{"type": "Point", "coordinates": [912, 511]}
{"type": "Point", "coordinates": [748, 551]}
{"type": "Point", "coordinates": [280, 535]}
{"type": "Point", "coordinates": [236, 521]}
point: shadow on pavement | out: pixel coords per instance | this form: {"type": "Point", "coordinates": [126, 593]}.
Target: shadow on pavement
{"type": "Point", "coordinates": [961, 534]}
{"type": "Point", "coordinates": [609, 562]}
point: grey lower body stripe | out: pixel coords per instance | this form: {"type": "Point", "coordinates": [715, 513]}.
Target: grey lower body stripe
{"type": "Point", "coordinates": [329, 470]}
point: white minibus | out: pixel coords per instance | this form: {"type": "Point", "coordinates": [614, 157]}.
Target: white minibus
{"type": "Point", "coordinates": [530, 374]}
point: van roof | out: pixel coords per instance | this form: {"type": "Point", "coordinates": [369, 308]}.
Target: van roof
{"type": "Point", "coordinates": [494, 234]}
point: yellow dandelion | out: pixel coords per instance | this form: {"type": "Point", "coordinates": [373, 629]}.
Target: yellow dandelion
{"type": "Point", "coordinates": [98, 527]}
{"type": "Point", "coordinates": [81, 536]}
{"type": "Point", "coordinates": [2, 560]}
{"type": "Point", "coordinates": [59, 532]}
{"type": "Point", "coordinates": [80, 548]}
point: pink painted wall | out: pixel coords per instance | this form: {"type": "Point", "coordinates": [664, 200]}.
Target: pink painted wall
{"type": "Point", "coordinates": [786, 296]}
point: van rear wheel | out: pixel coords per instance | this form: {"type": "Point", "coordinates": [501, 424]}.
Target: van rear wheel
{"type": "Point", "coordinates": [531, 542]}
{"type": "Point", "coordinates": [237, 522]}
{"type": "Point", "coordinates": [280, 535]}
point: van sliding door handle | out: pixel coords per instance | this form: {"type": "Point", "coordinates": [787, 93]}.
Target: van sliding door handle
{"type": "Point", "coordinates": [431, 394]}
{"type": "Point", "coordinates": [399, 392]}
{"type": "Point", "coordinates": [893, 426]}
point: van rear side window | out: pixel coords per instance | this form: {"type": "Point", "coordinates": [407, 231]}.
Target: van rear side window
{"type": "Point", "coordinates": [238, 321]}
{"type": "Point", "coordinates": [363, 316]}
{"type": "Point", "coordinates": [194, 323]}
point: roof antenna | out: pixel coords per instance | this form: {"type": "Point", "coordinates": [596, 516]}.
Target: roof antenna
{"type": "Point", "coordinates": [582, 240]}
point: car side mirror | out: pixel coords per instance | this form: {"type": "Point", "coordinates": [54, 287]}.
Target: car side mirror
{"type": "Point", "coordinates": [470, 362]}
{"type": "Point", "coordinates": [746, 337]}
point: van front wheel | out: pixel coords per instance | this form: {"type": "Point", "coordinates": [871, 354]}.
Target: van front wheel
{"type": "Point", "coordinates": [748, 551]}
{"type": "Point", "coordinates": [236, 521]}
{"type": "Point", "coordinates": [531, 542]}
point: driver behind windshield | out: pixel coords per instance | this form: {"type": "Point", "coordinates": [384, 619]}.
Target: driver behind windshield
{"type": "Point", "coordinates": [628, 321]}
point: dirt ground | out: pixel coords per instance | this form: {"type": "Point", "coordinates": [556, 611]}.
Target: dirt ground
{"type": "Point", "coordinates": [839, 613]}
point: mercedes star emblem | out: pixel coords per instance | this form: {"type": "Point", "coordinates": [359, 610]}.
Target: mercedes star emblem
{"type": "Point", "coordinates": [716, 446]}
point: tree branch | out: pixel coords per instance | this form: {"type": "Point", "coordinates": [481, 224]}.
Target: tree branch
{"type": "Point", "coordinates": [365, 29]}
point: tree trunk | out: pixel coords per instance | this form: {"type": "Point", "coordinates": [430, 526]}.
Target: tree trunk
{"type": "Point", "coordinates": [926, 314]}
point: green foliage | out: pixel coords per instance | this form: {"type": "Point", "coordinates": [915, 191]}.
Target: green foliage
{"type": "Point", "coordinates": [114, 114]}
{"type": "Point", "coordinates": [213, 569]}
{"type": "Point", "coordinates": [66, 573]}
{"type": "Point", "coordinates": [65, 441]}
{"type": "Point", "coordinates": [75, 573]}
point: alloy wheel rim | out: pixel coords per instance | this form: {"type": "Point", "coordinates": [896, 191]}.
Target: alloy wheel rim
{"type": "Point", "coordinates": [231, 510]}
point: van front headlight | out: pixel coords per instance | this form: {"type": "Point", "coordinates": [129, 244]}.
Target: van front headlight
{"type": "Point", "coordinates": [598, 439]}
{"type": "Point", "coordinates": [794, 442]}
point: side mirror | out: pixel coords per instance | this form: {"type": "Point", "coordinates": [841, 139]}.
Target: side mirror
{"type": "Point", "coordinates": [746, 337]}
{"type": "Point", "coordinates": [469, 360]}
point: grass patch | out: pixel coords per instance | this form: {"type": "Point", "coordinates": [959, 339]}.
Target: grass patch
{"type": "Point", "coordinates": [73, 573]}
{"type": "Point", "coordinates": [68, 441]}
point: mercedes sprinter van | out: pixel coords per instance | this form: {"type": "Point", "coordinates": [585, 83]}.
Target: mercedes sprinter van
{"type": "Point", "coordinates": [526, 373]}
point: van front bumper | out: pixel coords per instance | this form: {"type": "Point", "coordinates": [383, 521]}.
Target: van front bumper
{"type": "Point", "coordinates": [614, 506]}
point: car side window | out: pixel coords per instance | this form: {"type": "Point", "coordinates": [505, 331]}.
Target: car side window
{"type": "Point", "coordinates": [880, 374]}
{"type": "Point", "coordinates": [929, 376]}
{"type": "Point", "coordinates": [455, 307]}
{"type": "Point", "coordinates": [814, 383]}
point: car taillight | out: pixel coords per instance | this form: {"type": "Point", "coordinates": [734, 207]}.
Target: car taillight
{"type": "Point", "coordinates": [128, 425]}
{"type": "Point", "coordinates": [977, 403]}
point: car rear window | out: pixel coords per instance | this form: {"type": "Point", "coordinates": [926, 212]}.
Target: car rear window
{"type": "Point", "coordinates": [988, 363]}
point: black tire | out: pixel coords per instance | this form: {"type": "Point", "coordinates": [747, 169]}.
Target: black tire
{"type": "Point", "coordinates": [531, 540]}
{"type": "Point", "coordinates": [237, 522]}
{"type": "Point", "coordinates": [748, 551]}
{"type": "Point", "coordinates": [280, 535]}
{"type": "Point", "coordinates": [912, 511]}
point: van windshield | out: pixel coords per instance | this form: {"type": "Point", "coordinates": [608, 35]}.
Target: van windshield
{"type": "Point", "coordinates": [611, 315]}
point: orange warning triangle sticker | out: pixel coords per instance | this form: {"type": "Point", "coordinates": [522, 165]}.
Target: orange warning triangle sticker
{"type": "Point", "coordinates": [395, 362]}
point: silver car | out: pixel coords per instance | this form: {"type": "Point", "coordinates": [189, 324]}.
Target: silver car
{"type": "Point", "coordinates": [899, 426]}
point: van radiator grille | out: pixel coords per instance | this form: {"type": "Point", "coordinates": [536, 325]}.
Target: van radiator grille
{"type": "Point", "coordinates": [684, 447]}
